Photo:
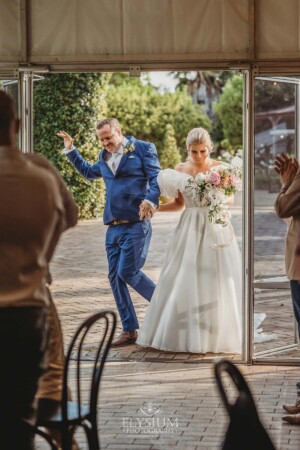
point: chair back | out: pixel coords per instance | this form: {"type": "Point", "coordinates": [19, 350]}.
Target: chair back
{"type": "Point", "coordinates": [245, 430]}
{"type": "Point", "coordinates": [107, 324]}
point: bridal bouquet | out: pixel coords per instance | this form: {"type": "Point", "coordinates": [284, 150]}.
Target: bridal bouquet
{"type": "Point", "coordinates": [214, 189]}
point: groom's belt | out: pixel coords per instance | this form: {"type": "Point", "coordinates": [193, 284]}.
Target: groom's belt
{"type": "Point", "coordinates": [121, 221]}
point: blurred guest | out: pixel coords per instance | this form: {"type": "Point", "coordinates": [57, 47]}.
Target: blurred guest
{"type": "Point", "coordinates": [50, 384]}
{"type": "Point", "coordinates": [32, 218]}
{"type": "Point", "coordinates": [287, 206]}
{"type": "Point", "coordinates": [49, 392]}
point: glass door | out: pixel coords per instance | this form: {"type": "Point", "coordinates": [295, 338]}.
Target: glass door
{"type": "Point", "coordinates": [275, 128]}
{"type": "Point", "coordinates": [12, 88]}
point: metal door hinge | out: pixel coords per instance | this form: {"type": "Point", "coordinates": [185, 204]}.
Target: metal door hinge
{"type": "Point", "coordinates": [135, 71]}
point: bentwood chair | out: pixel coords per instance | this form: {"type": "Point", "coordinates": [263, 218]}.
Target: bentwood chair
{"type": "Point", "coordinates": [66, 416]}
{"type": "Point", "coordinates": [245, 430]}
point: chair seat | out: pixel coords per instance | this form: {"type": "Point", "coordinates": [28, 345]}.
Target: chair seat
{"type": "Point", "coordinates": [49, 413]}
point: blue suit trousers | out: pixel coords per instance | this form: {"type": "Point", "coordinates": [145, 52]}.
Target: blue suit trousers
{"type": "Point", "coordinates": [127, 247]}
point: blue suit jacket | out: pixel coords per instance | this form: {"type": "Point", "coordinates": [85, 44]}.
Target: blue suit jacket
{"type": "Point", "coordinates": [134, 180]}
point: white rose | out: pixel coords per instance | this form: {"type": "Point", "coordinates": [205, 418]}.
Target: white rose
{"type": "Point", "coordinates": [237, 162]}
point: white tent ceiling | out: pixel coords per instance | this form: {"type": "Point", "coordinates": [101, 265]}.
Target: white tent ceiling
{"type": "Point", "coordinates": [156, 31]}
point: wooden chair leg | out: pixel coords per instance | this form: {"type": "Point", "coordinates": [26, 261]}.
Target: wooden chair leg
{"type": "Point", "coordinates": [94, 432]}
{"type": "Point", "coordinates": [92, 437]}
{"type": "Point", "coordinates": [67, 438]}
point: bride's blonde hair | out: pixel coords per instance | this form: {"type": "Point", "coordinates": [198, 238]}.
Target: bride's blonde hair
{"type": "Point", "coordinates": [199, 136]}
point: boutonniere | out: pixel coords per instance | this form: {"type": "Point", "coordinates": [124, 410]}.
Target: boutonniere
{"type": "Point", "coordinates": [129, 147]}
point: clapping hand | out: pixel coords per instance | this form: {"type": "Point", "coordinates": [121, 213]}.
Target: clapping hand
{"type": "Point", "coordinates": [68, 141]}
{"type": "Point", "coordinates": [146, 211]}
{"type": "Point", "coordinates": [286, 167]}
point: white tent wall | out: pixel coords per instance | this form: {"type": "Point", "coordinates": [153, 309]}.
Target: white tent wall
{"type": "Point", "coordinates": [58, 32]}
{"type": "Point", "coordinates": [10, 31]}
{"type": "Point", "coordinates": [277, 29]}
{"type": "Point", "coordinates": [113, 30]}
{"type": "Point", "coordinates": [62, 31]}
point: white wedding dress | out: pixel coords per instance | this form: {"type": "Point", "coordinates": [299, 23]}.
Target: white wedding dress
{"type": "Point", "coordinates": [196, 306]}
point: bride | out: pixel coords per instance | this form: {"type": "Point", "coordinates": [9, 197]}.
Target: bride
{"type": "Point", "coordinates": [196, 306]}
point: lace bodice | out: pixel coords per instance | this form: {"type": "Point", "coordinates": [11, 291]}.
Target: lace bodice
{"type": "Point", "coordinates": [170, 182]}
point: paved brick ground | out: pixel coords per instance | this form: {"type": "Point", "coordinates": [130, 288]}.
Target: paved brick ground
{"type": "Point", "coordinates": [189, 405]}
{"type": "Point", "coordinates": [180, 385]}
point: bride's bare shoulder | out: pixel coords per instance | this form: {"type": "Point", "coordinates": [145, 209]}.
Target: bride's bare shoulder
{"type": "Point", "coordinates": [181, 167]}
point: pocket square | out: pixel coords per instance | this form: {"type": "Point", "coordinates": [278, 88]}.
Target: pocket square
{"type": "Point", "coordinates": [130, 157]}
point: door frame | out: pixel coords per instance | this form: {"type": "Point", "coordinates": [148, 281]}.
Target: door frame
{"type": "Point", "coordinates": [283, 75]}
{"type": "Point", "coordinates": [250, 72]}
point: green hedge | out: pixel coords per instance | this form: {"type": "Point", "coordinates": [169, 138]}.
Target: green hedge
{"type": "Point", "coordinates": [73, 103]}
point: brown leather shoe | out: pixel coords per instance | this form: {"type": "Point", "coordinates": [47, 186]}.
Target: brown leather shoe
{"type": "Point", "coordinates": [125, 338]}
{"type": "Point", "coordinates": [294, 409]}
{"type": "Point", "coordinates": [294, 420]}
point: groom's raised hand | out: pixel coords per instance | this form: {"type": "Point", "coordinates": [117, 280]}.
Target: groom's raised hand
{"type": "Point", "coordinates": [68, 141]}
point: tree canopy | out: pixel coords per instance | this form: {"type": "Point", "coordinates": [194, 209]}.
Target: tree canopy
{"type": "Point", "coordinates": [230, 112]}
{"type": "Point", "coordinates": [145, 113]}
{"type": "Point", "coordinates": [170, 154]}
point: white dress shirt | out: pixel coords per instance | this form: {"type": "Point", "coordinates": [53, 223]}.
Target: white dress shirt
{"type": "Point", "coordinates": [113, 159]}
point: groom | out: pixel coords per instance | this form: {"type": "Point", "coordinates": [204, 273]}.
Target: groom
{"type": "Point", "coordinates": [129, 168]}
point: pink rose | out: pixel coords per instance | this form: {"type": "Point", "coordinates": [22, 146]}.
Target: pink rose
{"type": "Point", "coordinates": [214, 178]}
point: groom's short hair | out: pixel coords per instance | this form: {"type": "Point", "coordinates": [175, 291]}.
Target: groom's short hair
{"type": "Point", "coordinates": [111, 121]}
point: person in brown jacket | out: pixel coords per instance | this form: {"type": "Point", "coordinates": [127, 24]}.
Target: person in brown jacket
{"type": "Point", "coordinates": [50, 388]}
{"type": "Point", "coordinates": [51, 382]}
{"type": "Point", "coordinates": [33, 216]}
{"type": "Point", "coordinates": [287, 206]}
